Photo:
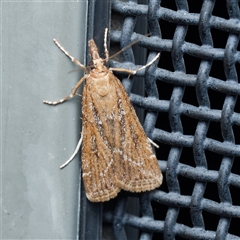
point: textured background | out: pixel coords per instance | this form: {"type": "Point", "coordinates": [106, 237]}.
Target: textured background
{"type": "Point", "coordinates": [192, 112]}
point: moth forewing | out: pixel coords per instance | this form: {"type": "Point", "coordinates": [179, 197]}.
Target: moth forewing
{"type": "Point", "coordinates": [138, 163]}
{"type": "Point", "coordinates": [116, 153]}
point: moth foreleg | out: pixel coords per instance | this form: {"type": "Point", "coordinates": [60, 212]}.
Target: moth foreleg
{"type": "Point", "coordinates": [74, 154]}
{"type": "Point", "coordinates": [148, 64]}
{"type": "Point", "coordinates": [73, 59]}
{"type": "Point", "coordinates": [73, 93]}
{"type": "Point", "coordinates": [134, 72]}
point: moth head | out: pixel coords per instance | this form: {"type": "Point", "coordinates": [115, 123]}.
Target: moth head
{"type": "Point", "coordinates": [96, 62]}
{"type": "Point", "coordinates": [93, 50]}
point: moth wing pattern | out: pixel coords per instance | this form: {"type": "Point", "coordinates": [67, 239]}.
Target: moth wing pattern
{"type": "Point", "coordinates": [116, 153]}
{"type": "Point", "coordinates": [97, 158]}
{"type": "Point", "coordinates": [138, 167]}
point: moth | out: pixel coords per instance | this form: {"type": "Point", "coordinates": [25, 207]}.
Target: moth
{"type": "Point", "coordinates": [116, 153]}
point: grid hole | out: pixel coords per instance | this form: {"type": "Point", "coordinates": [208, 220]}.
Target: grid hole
{"type": "Point", "coordinates": [237, 106]}
{"type": "Point", "coordinates": [220, 10]}
{"type": "Point", "coordinates": [236, 131]}
{"type": "Point", "coordinates": [211, 193]}
{"type": "Point", "coordinates": [157, 236]}
{"type": "Point", "coordinates": [214, 131]}
{"type": "Point", "coordinates": [165, 90]}
{"type": "Point", "coordinates": [190, 96]}
{"type": "Point", "coordinates": [195, 6]}
{"type": "Point", "coordinates": [167, 29]}
{"type": "Point", "coordinates": [216, 99]}
{"type": "Point", "coordinates": [184, 217]}
{"type": "Point", "coordinates": [189, 125]}
{"type": "Point", "coordinates": [236, 167]}
{"type": "Point", "coordinates": [165, 61]}
{"type": "Point", "coordinates": [234, 194]}
{"type": "Point", "coordinates": [163, 122]}
{"type": "Point", "coordinates": [210, 220]}
{"type": "Point", "coordinates": [234, 226]}
{"type": "Point", "coordinates": [217, 70]}
{"type": "Point", "coordinates": [159, 213]}
{"type": "Point", "coordinates": [187, 157]}
{"type": "Point", "coordinates": [192, 64]}
{"type": "Point", "coordinates": [186, 185]}
{"type": "Point", "coordinates": [213, 160]}
{"type": "Point", "coordinates": [219, 38]}
{"type": "Point", "coordinates": [170, 4]}
{"type": "Point", "coordinates": [193, 35]}
{"type": "Point", "coordinates": [163, 151]}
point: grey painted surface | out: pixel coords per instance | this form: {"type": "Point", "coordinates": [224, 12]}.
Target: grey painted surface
{"type": "Point", "coordinates": [40, 201]}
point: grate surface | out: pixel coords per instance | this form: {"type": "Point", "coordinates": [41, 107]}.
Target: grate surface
{"type": "Point", "coordinates": [192, 111]}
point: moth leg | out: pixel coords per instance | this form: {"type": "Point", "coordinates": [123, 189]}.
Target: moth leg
{"type": "Point", "coordinates": [73, 93]}
{"type": "Point", "coordinates": [122, 70]}
{"type": "Point", "coordinates": [105, 45]}
{"type": "Point", "coordinates": [150, 63]}
{"type": "Point", "coordinates": [153, 143]}
{"type": "Point", "coordinates": [134, 72]}
{"type": "Point", "coordinates": [73, 59]}
{"type": "Point", "coordinates": [74, 154]}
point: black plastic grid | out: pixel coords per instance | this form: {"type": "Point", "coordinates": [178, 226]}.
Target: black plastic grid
{"type": "Point", "coordinates": [206, 151]}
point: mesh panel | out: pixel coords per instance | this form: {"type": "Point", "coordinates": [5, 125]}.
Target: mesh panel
{"type": "Point", "coordinates": [192, 112]}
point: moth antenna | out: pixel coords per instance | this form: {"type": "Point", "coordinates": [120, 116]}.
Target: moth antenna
{"type": "Point", "coordinates": [153, 143]}
{"type": "Point", "coordinates": [123, 49]}
{"type": "Point", "coordinates": [105, 45]}
{"type": "Point", "coordinates": [74, 154]}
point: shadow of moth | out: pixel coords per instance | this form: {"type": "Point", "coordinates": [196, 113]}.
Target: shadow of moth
{"type": "Point", "coordinates": [116, 153]}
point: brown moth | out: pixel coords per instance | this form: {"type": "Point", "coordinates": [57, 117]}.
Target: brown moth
{"type": "Point", "coordinates": [116, 153]}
